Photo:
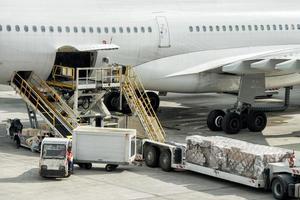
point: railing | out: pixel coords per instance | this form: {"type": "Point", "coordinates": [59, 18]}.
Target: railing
{"type": "Point", "coordinates": [140, 103]}
{"type": "Point", "coordinates": [34, 89]}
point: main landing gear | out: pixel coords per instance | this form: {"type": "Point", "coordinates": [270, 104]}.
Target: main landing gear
{"type": "Point", "coordinates": [112, 101]}
{"type": "Point", "coordinates": [243, 115]}
{"type": "Point", "coordinates": [232, 121]}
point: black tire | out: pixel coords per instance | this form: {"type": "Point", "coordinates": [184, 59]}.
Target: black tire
{"type": "Point", "coordinates": [88, 166]}
{"type": "Point", "coordinates": [214, 120]}
{"type": "Point", "coordinates": [231, 124]}
{"type": "Point", "coordinates": [81, 165]}
{"type": "Point", "coordinates": [110, 167]}
{"type": "Point", "coordinates": [244, 118]}
{"type": "Point", "coordinates": [111, 100]}
{"type": "Point", "coordinates": [165, 161]}
{"type": "Point", "coordinates": [154, 99]}
{"type": "Point", "coordinates": [151, 156]}
{"type": "Point", "coordinates": [279, 186]}
{"type": "Point", "coordinates": [256, 121]}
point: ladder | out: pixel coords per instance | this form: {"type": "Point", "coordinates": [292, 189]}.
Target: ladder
{"type": "Point", "coordinates": [139, 103]}
{"type": "Point", "coordinates": [46, 101]}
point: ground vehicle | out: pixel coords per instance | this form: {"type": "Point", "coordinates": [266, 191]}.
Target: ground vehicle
{"type": "Point", "coordinates": [53, 158]}
{"type": "Point", "coordinates": [112, 146]}
{"type": "Point", "coordinates": [283, 178]}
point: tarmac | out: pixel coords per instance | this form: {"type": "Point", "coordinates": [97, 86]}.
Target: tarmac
{"type": "Point", "coordinates": [181, 115]}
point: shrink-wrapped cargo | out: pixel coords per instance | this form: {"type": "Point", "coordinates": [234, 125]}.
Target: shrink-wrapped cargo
{"type": "Point", "coordinates": [233, 156]}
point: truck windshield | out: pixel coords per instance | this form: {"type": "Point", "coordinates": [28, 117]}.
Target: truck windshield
{"type": "Point", "coordinates": [54, 151]}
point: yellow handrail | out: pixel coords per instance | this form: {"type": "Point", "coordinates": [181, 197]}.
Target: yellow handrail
{"type": "Point", "coordinates": [28, 91]}
{"type": "Point", "coordinates": [142, 105]}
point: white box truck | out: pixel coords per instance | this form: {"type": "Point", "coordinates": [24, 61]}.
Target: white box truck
{"type": "Point", "coordinates": [111, 146]}
{"type": "Point", "coordinates": [253, 165]}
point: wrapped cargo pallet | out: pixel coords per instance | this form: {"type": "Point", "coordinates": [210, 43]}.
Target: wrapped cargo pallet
{"type": "Point", "coordinates": [233, 156]}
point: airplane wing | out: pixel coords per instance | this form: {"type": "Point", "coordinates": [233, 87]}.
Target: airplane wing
{"type": "Point", "coordinates": [281, 60]}
{"type": "Point", "coordinates": [90, 47]}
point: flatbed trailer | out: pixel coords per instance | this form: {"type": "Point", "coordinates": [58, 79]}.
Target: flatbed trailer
{"type": "Point", "coordinates": [281, 178]}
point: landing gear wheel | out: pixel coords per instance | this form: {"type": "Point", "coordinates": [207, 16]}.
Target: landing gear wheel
{"type": "Point", "coordinates": [151, 156]}
{"type": "Point", "coordinates": [154, 99]}
{"type": "Point", "coordinates": [165, 161]}
{"type": "Point", "coordinates": [256, 121]}
{"type": "Point", "coordinates": [111, 100]}
{"type": "Point", "coordinates": [214, 120]}
{"type": "Point", "coordinates": [110, 167]}
{"type": "Point", "coordinates": [231, 124]}
{"type": "Point", "coordinates": [280, 186]}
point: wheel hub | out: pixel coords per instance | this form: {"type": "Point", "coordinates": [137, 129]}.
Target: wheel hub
{"type": "Point", "coordinates": [278, 189]}
{"type": "Point", "coordinates": [234, 123]}
{"type": "Point", "coordinates": [218, 121]}
{"type": "Point", "coordinates": [259, 121]}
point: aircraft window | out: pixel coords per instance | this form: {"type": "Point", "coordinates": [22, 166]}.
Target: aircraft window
{"type": "Point", "coordinates": [59, 29]}
{"type": "Point", "coordinates": [26, 29]}
{"type": "Point", "coordinates": [113, 30]}
{"type": "Point", "coordinates": [51, 29]}
{"type": "Point", "coordinates": [75, 29]}
{"type": "Point", "coordinates": [298, 26]}
{"type": "Point", "coordinates": [34, 28]}
{"type": "Point", "coordinates": [218, 28]}
{"type": "Point", "coordinates": [211, 29]}
{"type": "Point", "coordinates": [128, 29]}
{"type": "Point", "coordinates": [68, 29]}
{"type": "Point", "coordinates": [149, 29]}
{"type": "Point", "coordinates": [268, 27]}
{"type": "Point", "coordinates": [224, 28]}
{"type": "Point", "coordinates": [8, 28]}
{"type": "Point", "coordinates": [17, 27]}
{"type": "Point", "coordinates": [262, 27]}
{"type": "Point", "coordinates": [106, 30]}
{"type": "Point", "coordinates": [280, 27]}
{"type": "Point", "coordinates": [249, 27]}
{"type": "Point", "coordinates": [243, 27]}
{"type": "Point", "coordinates": [191, 29]}
{"type": "Point", "coordinates": [121, 30]}
{"type": "Point", "coordinates": [143, 29]}
{"type": "Point", "coordinates": [237, 28]}
{"type": "Point", "coordinates": [274, 27]}
{"type": "Point", "coordinates": [204, 28]}
{"type": "Point", "coordinates": [0, 27]}
{"type": "Point", "coordinates": [286, 27]}
{"type": "Point", "coordinates": [91, 30]}
{"type": "Point", "coordinates": [256, 27]}
{"type": "Point", "coordinates": [43, 29]}
{"type": "Point", "coordinates": [83, 30]}
{"type": "Point", "coordinates": [98, 30]}
{"type": "Point", "coordinates": [135, 29]}
{"type": "Point", "coordinates": [197, 28]}
{"type": "Point", "coordinates": [293, 27]}
{"type": "Point", "coordinates": [230, 28]}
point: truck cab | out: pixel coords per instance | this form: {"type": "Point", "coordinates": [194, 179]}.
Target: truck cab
{"type": "Point", "coordinates": [53, 158]}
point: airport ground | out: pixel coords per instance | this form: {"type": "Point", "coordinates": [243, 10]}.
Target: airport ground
{"type": "Point", "coordinates": [181, 115]}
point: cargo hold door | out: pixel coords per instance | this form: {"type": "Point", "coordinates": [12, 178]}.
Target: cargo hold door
{"type": "Point", "coordinates": [164, 34]}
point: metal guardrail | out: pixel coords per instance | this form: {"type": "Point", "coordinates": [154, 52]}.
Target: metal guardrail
{"type": "Point", "coordinates": [140, 103]}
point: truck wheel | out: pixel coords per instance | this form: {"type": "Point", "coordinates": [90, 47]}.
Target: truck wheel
{"type": "Point", "coordinates": [280, 186]}
{"type": "Point", "coordinates": [151, 156]}
{"type": "Point", "coordinates": [110, 168]}
{"type": "Point", "coordinates": [165, 161]}
{"type": "Point", "coordinates": [88, 166]}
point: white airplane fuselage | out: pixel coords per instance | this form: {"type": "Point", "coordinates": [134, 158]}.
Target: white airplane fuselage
{"type": "Point", "coordinates": [173, 43]}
